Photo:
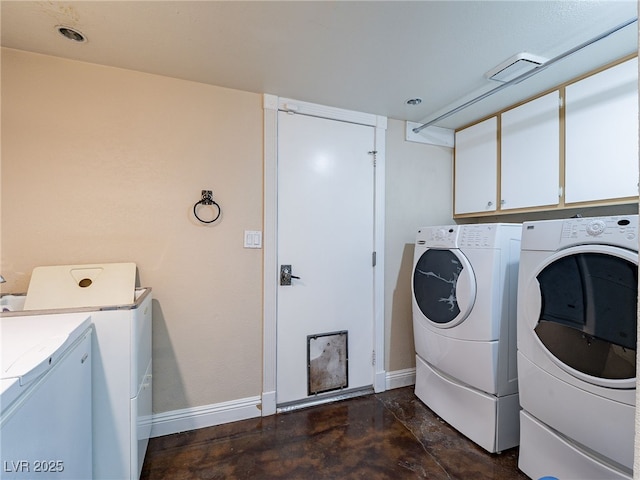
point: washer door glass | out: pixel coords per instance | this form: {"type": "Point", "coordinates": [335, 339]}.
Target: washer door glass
{"type": "Point", "coordinates": [444, 286]}
{"type": "Point", "coordinates": [588, 312]}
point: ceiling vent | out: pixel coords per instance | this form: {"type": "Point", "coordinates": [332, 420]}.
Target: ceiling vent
{"type": "Point", "coordinates": [71, 34]}
{"type": "Point", "coordinates": [515, 66]}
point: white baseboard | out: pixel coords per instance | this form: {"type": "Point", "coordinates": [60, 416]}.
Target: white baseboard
{"type": "Point", "coordinates": [380, 381]}
{"type": "Point", "coordinates": [175, 421]}
{"type": "Point", "coordinates": [268, 403]}
{"type": "Point", "coordinates": [401, 378]}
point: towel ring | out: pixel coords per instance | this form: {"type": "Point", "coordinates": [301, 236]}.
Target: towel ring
{"type": "Point", "coordinates": [207, 199]}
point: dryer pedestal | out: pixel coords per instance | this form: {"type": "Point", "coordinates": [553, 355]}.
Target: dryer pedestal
{"type": "Point", "coordinates": [543, 452]}
{"type": "Point", "coordinates": [488, 420]}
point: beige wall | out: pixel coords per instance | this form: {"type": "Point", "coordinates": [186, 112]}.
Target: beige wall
{"type": "Point", "coordinates": [418, 193]}
{"type": "Point", "coordinates": [104, 165]}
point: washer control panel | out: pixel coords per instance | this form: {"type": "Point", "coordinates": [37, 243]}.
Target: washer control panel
{"type": "Point", "coordinates": [606, 230]}
{"type": "Point", "coordinates": [481, 235]}
{"type": "Point", "coordinates": [477, 236]}
{"type": "Point", "coordinates": [440, 236]}
{"type": "Point", "coordinates": [596, 227]}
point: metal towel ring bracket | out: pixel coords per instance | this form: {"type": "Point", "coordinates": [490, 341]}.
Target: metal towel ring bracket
{"type": "Point", "coordinates": [207, 199]}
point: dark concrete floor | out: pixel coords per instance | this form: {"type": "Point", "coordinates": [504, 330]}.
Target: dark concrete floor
{"type": "Point", "coordinates": [391, 435]}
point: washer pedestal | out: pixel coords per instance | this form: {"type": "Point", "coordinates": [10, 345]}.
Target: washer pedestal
{"type": "Point", "coordinates": [488, 420]}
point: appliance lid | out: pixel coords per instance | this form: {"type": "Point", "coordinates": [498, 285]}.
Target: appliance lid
{"type": "Point", "coordinates": [9, 390]}
{"type": "Point", "coordinates": [77, 286]}
{"type": "Point", "coordinates": [31, 345]}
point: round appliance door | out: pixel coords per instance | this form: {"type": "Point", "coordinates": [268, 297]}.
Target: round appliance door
{"type": "Point", "coordinates": [588, 313]}
{"type": "Point", "coordinates": [444, 287]}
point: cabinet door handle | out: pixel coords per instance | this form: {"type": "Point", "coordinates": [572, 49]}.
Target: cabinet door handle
{"type": "Point", "coordinates": [489, 204]}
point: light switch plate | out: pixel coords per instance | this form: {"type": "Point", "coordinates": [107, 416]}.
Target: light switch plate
{"type": "Point", "coordinates": [252, 239]}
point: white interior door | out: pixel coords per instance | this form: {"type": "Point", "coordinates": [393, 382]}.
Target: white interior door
{"type": "Point", "coordinates": [326, 233]}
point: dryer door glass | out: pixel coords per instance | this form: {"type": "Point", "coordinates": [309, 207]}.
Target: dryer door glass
{"type": "Point", "coordinates": [444, 286]}
{"type": "Point", "coordinates": [588, 314]}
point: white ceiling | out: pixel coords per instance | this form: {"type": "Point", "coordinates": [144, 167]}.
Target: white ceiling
{"type": "Point", "coordinates": [369, 56]}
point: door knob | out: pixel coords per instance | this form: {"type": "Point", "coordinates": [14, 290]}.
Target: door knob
{"type": "Point", "coordinates": [285, 275]}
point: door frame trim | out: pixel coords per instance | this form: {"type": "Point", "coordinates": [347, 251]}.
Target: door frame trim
{"type": "Point", "coordinates": [271, 105]}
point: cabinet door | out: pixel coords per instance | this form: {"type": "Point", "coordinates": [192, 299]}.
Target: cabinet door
{"type": "Point", "coordinates": [530, 154]}
{"type": "Point", "coordinates": [476, 160]}
{"type": "Point", "coordinates": [601, 116]}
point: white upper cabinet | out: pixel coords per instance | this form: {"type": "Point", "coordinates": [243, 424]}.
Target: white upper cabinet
{"type": "Point", "coordinates": [601, 114]}
{"type": "Point", "coordinates": [530, 154]}
{"type": "Point", "coordinates": [543, 155]}
{"type": "Point", "coordinates": [476, 168]}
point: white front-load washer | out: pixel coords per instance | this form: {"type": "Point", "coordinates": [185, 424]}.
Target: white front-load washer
{"type": "Point", "coordinates": [577, 317]}
{"type": "Point", "coordinates": [464, 285]}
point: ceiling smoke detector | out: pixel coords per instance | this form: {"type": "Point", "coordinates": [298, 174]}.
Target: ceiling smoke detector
{"type": "Point", "coordinates": [71, 34]}
{"type": "Point", "coordinates": [515, 66]}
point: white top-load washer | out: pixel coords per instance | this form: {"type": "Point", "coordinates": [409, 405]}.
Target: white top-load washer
{"type": "Point", "coordinates": [464, 286]}
{"type": "Point", "coordinates": [122, 363]}
{"type": "Point", "coordinates": [45, 397]}
{"type": "Point", "coordinates": [577, 317]}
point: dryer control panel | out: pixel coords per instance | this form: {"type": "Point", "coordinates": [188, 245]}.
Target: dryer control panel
{"type": "Point", "coordinates": [551, 235]}
{"type": "Point", "coordinates": [489, 235]}
{"type": "Point", "coordinates": [477, 236]}
{"type": "Point", "coordinates": [444, 236]}
{"type": "Point", "coordinates": [606, 230]}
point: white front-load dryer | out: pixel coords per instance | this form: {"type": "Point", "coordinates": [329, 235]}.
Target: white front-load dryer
{"type": "Point", "coordinates": [577, 317]}
{"type": "Point", "coordinates": [464, 285]}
